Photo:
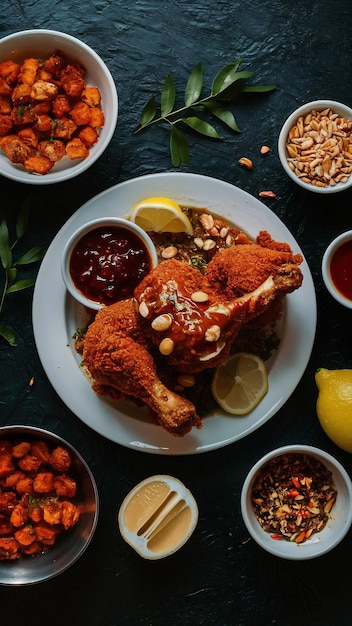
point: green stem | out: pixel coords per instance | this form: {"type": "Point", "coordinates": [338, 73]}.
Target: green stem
{"type": "Point", "coordinates": [165, 118]}
{"type": "Point", "coordinates": [6, 284]}
{"type": "Point", "coordinates": [4, 290]}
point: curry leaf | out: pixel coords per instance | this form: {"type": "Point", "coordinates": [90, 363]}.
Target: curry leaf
{"type": "Point", "coordinates": [228, 83]}
{"type": "Point", "coordinates": [168, 95]}
{"type": "Point", "coordinates": [226, 77]}
{"type": "Point", "coordinates": [8, 334]}
{"type": "Point", "coordinates": [5, 249]}
{"type": "Point", "coordinates": [178, 148]}
{"type": "Point", "coordinates": [149, 111]}
{"type": "Point", "coordinates": [35, 254]}
{"type": "Point", "coordinates": [12, 274]}
{"type": "Point", "coordinates": [258, 88]}
{"type": "Point", "coordinates": [194, 85]}
{"type": "Point", "coordinates": [10, 282]}
{"type": "Point", "coordinates": [22, 219]}
{"type": "Point", "coordinates": [223, 114]}
{"type": "Point", "coordinates": [204, 128]}
{"type": "Point", "coordinates": [20, 285]}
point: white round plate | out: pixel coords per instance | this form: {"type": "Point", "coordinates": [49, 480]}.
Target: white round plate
{"type": "Point", "coordinates": [56, 317]}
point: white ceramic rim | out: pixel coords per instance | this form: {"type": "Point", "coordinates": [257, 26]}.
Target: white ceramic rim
{"type": "Point", "coordinates": [127, 424]}
{"type": "Point", "coordinates": [318, 105]}
{"type": "Point", "coordinates": [96, 151]}
{"type": "Point", "coordinates": [319, 543]}
{"type": "Point", "coordinates": [83, 230]}
{"type": "Point", "coordinates": [325, 268]}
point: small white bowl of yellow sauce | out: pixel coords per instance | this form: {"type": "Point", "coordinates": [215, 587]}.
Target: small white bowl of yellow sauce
{"type": "Point", "coordinates": [158, 516]}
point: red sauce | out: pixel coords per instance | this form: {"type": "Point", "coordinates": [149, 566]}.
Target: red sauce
{"type": "Point", "coordinates": [341, 269]}
{"type": "Point", "coordinates": [108, 263]}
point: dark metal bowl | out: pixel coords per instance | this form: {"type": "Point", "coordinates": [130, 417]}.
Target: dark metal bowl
{"type": "Point", "coordinates": [71, 545]}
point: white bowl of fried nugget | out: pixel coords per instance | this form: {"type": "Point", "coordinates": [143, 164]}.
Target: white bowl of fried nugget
{"type": "Point", "coordinates": [58, 106]}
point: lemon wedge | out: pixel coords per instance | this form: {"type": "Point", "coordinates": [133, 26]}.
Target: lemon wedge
{"type": "Point", "coordinates": [240, 383]}
{"type": "Point", "coordinates": [160, 215]}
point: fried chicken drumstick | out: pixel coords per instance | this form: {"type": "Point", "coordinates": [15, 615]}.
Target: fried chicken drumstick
{"type": "Point", "coordinates": [186, 321]}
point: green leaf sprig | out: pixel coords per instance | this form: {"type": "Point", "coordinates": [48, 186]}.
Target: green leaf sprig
{"type": "Point", "coordinates": [228, 83]}
{"type": "Point", "coordinates": [11, 284]}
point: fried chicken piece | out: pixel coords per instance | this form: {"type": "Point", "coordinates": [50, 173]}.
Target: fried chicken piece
{"type": "Point", "coordinates": [16, 150]}
{"type": "Point", "coordinates": [25, 536]}
{"type": "Point", "coordinates": [45, 533]}
{"type": "Point", "coordinates": [65, 486]}
{"type": "Point", "coordinates": [28, 71]}
{"type": "Point", "coordinates": [60, 459]}
{"type": "Point", "coordinates": [9, 548]}
{"type": "Point", "coordinates": [19, 515]}
{"type": "Point", "coordinates": [29, 463]}
{"type": "Point", "coordinates": [6, 461]}
{"type": "Point", "coordinates": [12, 480]}
{"type": "Point", "coordinates": [6, 125]}
{"type": "Point", "coordinates": [6, 527]}
{"type": "Point", "coordinates": [241, 269]}
{"type": "Point", "coordinates": [52, 513]}
{"type": "Point", "coordinates": [72, 80]}
{"type": "Point", "coordinates": [116, 356]}
{"type": "Point", "coordinates": [21, 449]}
{"type": "Point", "coordinates": [8, 501]}
{"type": "Point", "coordinates": [76, 149]}
{"type": "Point", "coordinates": [9, 71]}
{"type": "Point", "coordinates": [69, 514]}
{"type": "Point", "coordinates": [35, 512]}
{"type": "Point", "coordinates": [206, 314]}
{"type": "Point", "coordinates": [32, 548]}
{"type": "Point", "coordinates": [186, 322]}
{"type": "Point", "coordinates": [43, 482]}
{"type": "Point", "coordinates": [25, 485]}
{"type": "Point", "coordinates": [40, 449]}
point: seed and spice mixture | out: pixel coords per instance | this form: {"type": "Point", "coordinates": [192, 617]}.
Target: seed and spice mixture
{"type": "Point", "coordinates": [293, 496]}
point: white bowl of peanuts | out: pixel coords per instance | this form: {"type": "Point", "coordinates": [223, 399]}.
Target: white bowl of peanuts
{"type": "Point", "coordinates": [49, 505]}
{"type": "Point", "coordinates": [296, 502]}
{"type": "Point", "coordinates": [315, 146]}
{"type": "Point", "coordinates": [58, 106]}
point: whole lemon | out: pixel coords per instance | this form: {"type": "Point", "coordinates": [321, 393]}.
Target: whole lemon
{"type": "Point", "coordinates": [334, 405]}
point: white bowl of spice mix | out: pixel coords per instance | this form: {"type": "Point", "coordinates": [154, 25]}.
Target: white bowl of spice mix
{"type": "Point", "coordinates": [296, 502]}
{"type": "Point", "coordinates": [315, 146]}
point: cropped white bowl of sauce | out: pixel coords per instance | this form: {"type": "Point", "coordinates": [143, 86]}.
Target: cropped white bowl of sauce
{"type": "Point", "coordinates": [158, 516]}
{"type": "Point", "coordinates": [337, 269]}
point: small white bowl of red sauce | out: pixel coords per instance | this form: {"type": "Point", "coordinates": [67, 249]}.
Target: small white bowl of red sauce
{"type": "Point", "coordinates": [104, 260]}
{"type": "Point", "coordinates": [337, 269]}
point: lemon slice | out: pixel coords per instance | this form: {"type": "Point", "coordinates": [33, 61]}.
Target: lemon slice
{"type": "Point", "coordinates": [160, 214]}
{"type": "Point", "coordinates": [240, 383]}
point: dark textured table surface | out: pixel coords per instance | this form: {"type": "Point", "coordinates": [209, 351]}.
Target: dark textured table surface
{"type": "Point", "coordinates": [221, 576]}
